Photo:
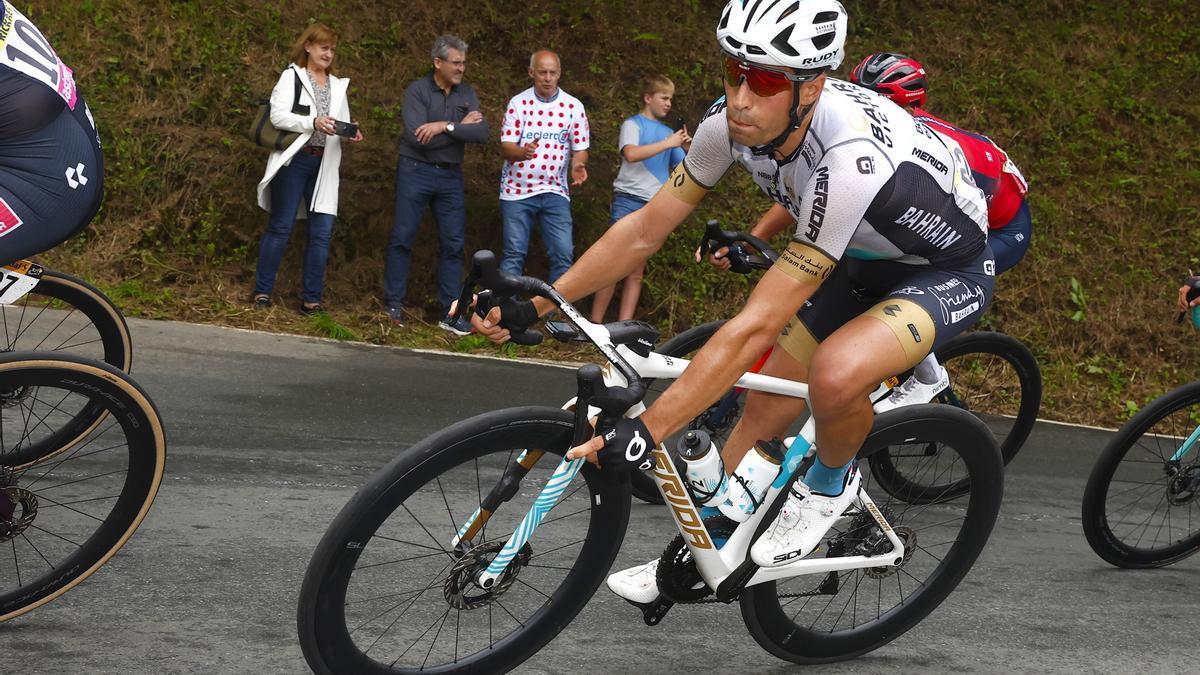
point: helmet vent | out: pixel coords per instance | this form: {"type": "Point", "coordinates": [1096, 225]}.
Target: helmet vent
{"type": "Point", "coordinates": [825, 17]}
{"type": "Point", "coordinates": [789, 11]}
{"type": "Point", "coordinates": [823, 41]}
{"type": "Point", "coordinates": [753, 49]}
{"type": "Point", "coordinates": [724, 19]}
{"type": "Point", "coordinates": [750, 15]}
{"type": "Point", "coordinates": [733, 43]}
{"type": "Point", "coordinates": [781, 42]}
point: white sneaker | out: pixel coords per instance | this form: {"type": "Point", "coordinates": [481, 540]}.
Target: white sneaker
{"type": "Point", "coordinates": [636, 584]}
{"type": "Point", "coordinates": [914, 391]}
{"type": "Point", "coordinates": [802, 522]}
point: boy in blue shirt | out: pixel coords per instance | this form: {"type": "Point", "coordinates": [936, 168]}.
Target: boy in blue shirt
{"type": "Point", "coordinates": [649, 151]}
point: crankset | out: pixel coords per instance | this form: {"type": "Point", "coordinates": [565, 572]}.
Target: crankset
{"type": "Point", "coordinates": [460, 588]}
{"type": "Point", "coordinates": [678, 579]}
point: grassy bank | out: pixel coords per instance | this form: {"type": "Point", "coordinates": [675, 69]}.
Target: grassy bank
{"type": "Point", "coordinates": [1094, 101]}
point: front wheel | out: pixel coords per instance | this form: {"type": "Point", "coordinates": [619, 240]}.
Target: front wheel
{"type": "Point", "coordinates": [836, 616]}
{"type": "Point", "coordinates": [1141, 506]}
{"type": "Point", "coordinates": [386, 592]}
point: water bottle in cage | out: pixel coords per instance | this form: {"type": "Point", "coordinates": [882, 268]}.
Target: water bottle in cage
{"type": "Point", "coordinates": [751, 479]}
{"type": "Point", "coordinates": [704, 472]}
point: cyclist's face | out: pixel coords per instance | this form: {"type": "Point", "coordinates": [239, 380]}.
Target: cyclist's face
{"type": "Point", "coordinates": [756, 119]}
{"type": "Point", "coordinates": [660, 103]}
{"type": "Point", "coordinates": [545, 71]}
{"type": "Point", "coordinates": [451, 68]}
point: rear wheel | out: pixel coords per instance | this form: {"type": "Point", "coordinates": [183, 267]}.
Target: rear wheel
{"type": "Point", "coordinates": [992, 376]}
{"type": "Point", "coordinates": [386, 592]}
{"type": "Point", "coordinates": [62, 518]}
{"type": "Point", "coordinates": [840, 615]}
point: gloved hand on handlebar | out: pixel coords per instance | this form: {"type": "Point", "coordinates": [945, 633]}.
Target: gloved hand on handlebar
{"type": "Point", "coordinates": [508, 315]}
{"type": "Point", "coordinates": [627, 446]}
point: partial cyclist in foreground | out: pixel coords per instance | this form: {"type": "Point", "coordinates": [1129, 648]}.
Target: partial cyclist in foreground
{"type": "Point", "coordinates": [877, 201]}
{"type": "Point", "coordinates": [51, 164]}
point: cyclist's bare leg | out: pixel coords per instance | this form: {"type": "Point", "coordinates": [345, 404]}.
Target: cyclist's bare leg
{"type": "Point", "coordinates": [845, 369]}
{"type": "Point", "coordinates": [767, 415]}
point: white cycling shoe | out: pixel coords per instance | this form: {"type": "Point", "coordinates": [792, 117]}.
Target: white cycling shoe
{"type": "Point", "coordinates": [914, 391]}
{"type": "Point", "coordinates": [803, 521]}
{"type": "Point", "coordinates": [636, 584]}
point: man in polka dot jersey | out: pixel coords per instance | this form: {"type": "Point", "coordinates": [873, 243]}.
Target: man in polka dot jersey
{"type": "Point", "coordinates": [544, 137]}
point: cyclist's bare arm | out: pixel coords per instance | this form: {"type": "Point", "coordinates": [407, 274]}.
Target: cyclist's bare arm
{"type": "Point", "coordinates": [737, 345]}
{"type": "Point", "coordinates": [625, 246]}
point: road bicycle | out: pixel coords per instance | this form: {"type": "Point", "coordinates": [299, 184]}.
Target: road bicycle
{"type": "Point", "coordinates": [992, 375]}
{"type": "Point", "coordinates": [472, 549]}
{"type": "Point", "coordinates": [82, 448]}
{"type": "Point", "coordinates": [1141, 505]}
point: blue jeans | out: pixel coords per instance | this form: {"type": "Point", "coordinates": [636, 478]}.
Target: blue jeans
{"type": "Point", "coordinates": [419, 185]}
{"type": "Point", "coordinates": [553, 212]}
{"type": "Point", "coordinates": [624, 204]}
{"type": "Point", "coordinates": [293, 183]}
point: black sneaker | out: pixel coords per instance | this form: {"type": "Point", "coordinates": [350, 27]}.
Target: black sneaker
{"type": "Point", "coordinates": [396, 314]}
{"type": "Point", "coordinates": [260, 300]}
{"type": "Point", "coordinates": [314, 309]}
{"type": "Point", "coordinates": [460, 327]}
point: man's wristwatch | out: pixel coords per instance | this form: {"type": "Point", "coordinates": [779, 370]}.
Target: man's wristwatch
{"type": "Point", "coordinates": [449, 127]}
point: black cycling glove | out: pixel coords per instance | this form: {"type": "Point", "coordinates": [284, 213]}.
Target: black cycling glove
{"type": "Point", "coordinates": [517, 315]}
{"type": "Point", "coordinates": [628, 446]}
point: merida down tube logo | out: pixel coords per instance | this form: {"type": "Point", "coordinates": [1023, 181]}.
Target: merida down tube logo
{"type": "Point", "coordinates": [686, 515]}
{"type": "Point", "coordinates": [820, 201]}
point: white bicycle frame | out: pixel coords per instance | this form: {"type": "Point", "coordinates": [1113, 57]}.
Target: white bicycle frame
{"type": "Point", "coordinates": [715, 565]}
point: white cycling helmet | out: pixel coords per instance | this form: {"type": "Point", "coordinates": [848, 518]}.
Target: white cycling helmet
{"type": "Point", "coordinates": [800, 34]}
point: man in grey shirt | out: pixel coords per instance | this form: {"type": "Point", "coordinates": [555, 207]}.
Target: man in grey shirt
{"type": "Point", "coordinates": [441, 113]}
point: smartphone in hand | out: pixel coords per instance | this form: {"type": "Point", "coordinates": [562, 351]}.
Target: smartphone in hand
{"type": "Point", "coordinates": [345, 129]}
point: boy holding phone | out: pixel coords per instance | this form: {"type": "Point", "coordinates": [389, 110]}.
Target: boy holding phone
{"type": "Point", "coordinates": [649, 151]}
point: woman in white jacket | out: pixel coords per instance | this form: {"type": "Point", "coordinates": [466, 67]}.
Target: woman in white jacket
{"type": "Point", "coordinates": [301, 180]}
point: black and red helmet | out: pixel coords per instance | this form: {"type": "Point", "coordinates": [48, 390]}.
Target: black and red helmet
{"type": "Point", "coordinates": [894, 75]}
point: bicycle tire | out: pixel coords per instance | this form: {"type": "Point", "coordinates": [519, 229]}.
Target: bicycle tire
{"type": "Point", "coordinates": [68, 516]}
{"type": "Point", "coordinates": [65, 315]}
{"type": "Point", "coordinates": [681, 345]}
{"type": "Point", "coordinates": [1116, 524]}
{"type": "Point", "coordinates": [1009, 406]}
{"type": "Point", "coordinates": [771, 620]}
{"type": "Point", "coordinates": [446, 460]}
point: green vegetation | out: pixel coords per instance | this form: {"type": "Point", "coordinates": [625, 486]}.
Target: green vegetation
{"type": "Point", "coordinates": [1093, 100]}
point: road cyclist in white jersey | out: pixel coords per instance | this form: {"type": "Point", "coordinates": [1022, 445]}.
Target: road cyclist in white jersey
{"type": "Point", "coordinates": [877, 201]}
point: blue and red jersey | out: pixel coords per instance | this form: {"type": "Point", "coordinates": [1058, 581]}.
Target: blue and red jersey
{"type": "Point", "coordinates": [995, 174]}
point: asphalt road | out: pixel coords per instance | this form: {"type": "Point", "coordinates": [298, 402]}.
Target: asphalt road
{"type": "Point", "coordinates": [270, 435]}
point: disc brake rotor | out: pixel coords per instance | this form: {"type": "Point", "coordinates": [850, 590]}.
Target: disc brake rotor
{"type": "Point", "coordinates": [460, 589]}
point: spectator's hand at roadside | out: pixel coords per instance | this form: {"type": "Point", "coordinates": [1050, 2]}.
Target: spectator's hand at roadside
{"type": "Point", "coordinates": [530, 149]}
{"type": "Point", "coordinates": [678, 138]}
{"type": "Point", "coordinates": [578, 174]}
{"type": "Point", "coordinates": [324, 124]}
{"type": "Point", "coordinates": [358, 136]}
{"type": "Point", "coordinates": [687, 140]}
{"type": "Point", "coordinates": [427, 131]}
{"type": "Point", "coordinates": [473, 117]}
{"type": "Point", "coordinates": [1184, 305]}
{"type": "Point", "coordinates": [718, 258]}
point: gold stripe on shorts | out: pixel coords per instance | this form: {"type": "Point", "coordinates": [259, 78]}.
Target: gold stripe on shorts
{"type": "Point", "coordinates": [797, 340]}
{"type": "Point", "coordinates": [911, 324]}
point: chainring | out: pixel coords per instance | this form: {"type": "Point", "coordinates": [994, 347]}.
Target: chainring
{"type": "Point", "coordinates": [460, 589]}
{"type": "Point", "coordinates": [677, 574]}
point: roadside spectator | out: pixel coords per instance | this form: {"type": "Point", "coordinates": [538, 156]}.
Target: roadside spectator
{"type": "Point", "coordinates": [649, 151]}
{"type": "Point", "coordinates": [308, 168]}
{"type": "Point", "coordinates": [544, 129]}
{"type": "Point", "coordinates": [441, 114]}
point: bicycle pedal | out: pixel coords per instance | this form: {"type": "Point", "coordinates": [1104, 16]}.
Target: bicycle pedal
{"type": "Point", "coordinates": [653, 611]}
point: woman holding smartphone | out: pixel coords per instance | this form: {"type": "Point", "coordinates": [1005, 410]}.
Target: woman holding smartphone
{"type": "Point", "coordinates": [301, 181]}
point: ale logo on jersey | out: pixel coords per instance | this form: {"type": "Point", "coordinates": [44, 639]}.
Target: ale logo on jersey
{"type": "Point", "coordinates": [9, 220]}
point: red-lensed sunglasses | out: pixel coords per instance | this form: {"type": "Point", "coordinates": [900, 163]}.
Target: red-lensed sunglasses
{"type": "Point", "coordinates": [762, 81]}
